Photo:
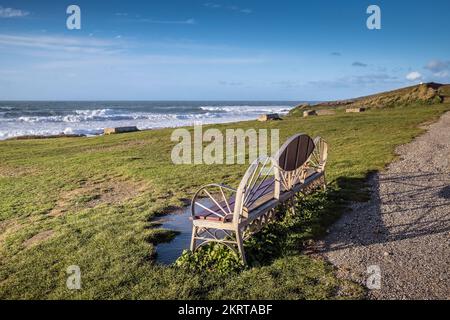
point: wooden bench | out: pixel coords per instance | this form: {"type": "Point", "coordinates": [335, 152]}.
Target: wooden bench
{"type": "Point", "coordinates": [229, 216]}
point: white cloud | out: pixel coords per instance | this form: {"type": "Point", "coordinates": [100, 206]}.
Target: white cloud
{"type": "Point", "coordinates": [212, 5]}
{"type": "Point", "coordinates": [190, 21]}
{"type": "Point", "coordinates": [439, 68]}
{"type": "Point", "coordinates": [30, 40]}
{"type": "Point", "coordinates": [287, 84]}
{"type": "Point", "coordinates": [63, 48]}
{"type": "Point", "coordinates": [437, 65]}
{"type": "Point", "coordinates": [53, 43]}
{"type": "Point", "coordinates": [413, 76]}
{"type": "Point", "coordinates": [230, 83]}
{"type": "Point", "coordinates": [141, 61]}
{"type": "Point", "coordinates": [442, 74]}
{"type": "Point", "coordinates": [12, 13]}
{"type": "Point", "coordinates": [366, 80]}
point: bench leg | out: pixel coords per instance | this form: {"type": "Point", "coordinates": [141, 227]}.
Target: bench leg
{"type": "Point", "coordinates": [324, 179]}
{"type": "Point", "coordinates": [193, 241]}
{"type": "Point", "coordinates": [292, 203]}
{"type": "Point", "coordinates": [240, 244]}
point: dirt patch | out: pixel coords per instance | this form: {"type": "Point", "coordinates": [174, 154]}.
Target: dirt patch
{"type": "Point", "coordinates": [92, 195]}
{"type": "Point", "coordinates": [8, 227]}
{"type": "Point", "coordinates": [14, 225]}
{"type": "Point", "coordinates": [63, 202]}
{"type": "Point", "coordinates": [10, 172]}
{"type": "Point", "coordinates": [38, 238]}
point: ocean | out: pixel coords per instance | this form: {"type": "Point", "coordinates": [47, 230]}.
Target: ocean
{"type": "Point", "coordinates": [90, 118]}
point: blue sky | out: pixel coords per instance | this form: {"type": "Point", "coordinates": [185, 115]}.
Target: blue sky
{"type": "Point", "coordinates": [222, 50]}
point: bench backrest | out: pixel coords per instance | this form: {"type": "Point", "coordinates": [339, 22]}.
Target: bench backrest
{"type": "Point", "coordinates": [267, 177]}
{"type": "Point", "coordinates": [257, 184]}
{"type": "Point", "coordinates": [294, 152]}
{"type": "Point", "coordinates": [291, 159]}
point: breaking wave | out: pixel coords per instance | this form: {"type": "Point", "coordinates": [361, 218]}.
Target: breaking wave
{"type": "Point", "coordinates": [41, 118]}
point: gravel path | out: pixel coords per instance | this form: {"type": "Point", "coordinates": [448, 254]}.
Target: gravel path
{"type": "Point", "coordinates": [405, 228]}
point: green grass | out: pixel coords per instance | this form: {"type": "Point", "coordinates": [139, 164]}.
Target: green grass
{"type": "Point", "coordinates": [99, 195]}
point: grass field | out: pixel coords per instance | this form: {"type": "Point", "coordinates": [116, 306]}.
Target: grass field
{"type": "Point", "coordinates": [90, 202]}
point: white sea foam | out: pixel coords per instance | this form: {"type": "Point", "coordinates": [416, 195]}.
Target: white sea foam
{"type": "Point", "coordinates": [93, 121]}
{"type": "Point", "coordinates": [247, 109]}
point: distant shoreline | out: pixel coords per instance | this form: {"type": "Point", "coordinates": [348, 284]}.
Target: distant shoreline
{"type": "Point", "coordinates": [63, 135]}
{"type": "Point", "coordinates": [40, 120]}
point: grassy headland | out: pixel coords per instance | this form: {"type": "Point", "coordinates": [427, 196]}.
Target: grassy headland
{"type": "Point", "coordinates": [423, 94]}
{"type": "Point", "coordinates": [90, 202]}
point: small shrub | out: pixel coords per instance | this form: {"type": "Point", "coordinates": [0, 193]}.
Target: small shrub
{"type": "Point", "coordinates": [436, 100]}
{"type": "Point", "coordinates": [211, 257]}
